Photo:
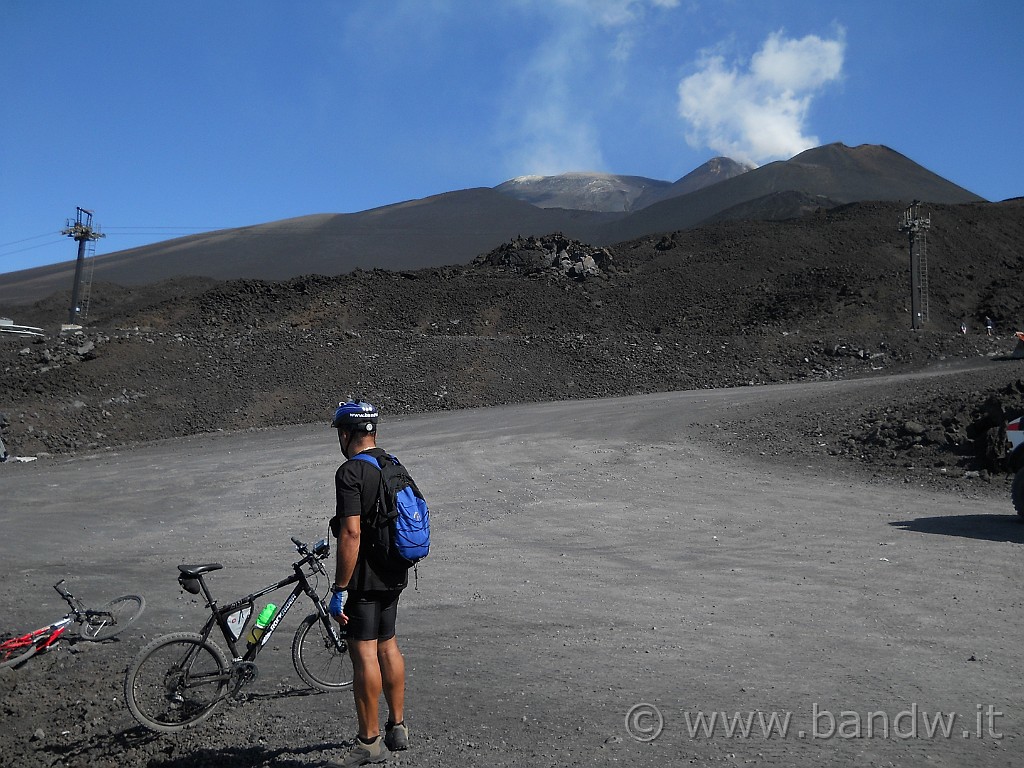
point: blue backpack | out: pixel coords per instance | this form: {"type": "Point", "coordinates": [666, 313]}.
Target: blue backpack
{"type": "Point", "coordinates": [401, 511]}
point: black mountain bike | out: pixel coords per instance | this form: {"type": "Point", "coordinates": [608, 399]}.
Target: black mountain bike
{"type": "Point", "coordinates": [178, 680]}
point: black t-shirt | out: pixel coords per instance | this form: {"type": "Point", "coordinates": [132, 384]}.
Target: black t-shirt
{"type": "Point", "coordinates": [356, 484]}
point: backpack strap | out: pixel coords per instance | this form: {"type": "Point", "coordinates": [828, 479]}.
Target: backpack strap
{"type": "Point", "coordinates": [376, 465]}
{"type": "Point", "coordinates": [368, 459]}
{"type": "Point", "coordinates": [381, 503]}
{"type": "Point", "coordinates": [377, 462]}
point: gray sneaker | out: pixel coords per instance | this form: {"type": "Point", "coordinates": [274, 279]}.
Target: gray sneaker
{"type": "Point", "coordinates": [363, 754]}
{"type": "Point", "coordinates": [396, 737]}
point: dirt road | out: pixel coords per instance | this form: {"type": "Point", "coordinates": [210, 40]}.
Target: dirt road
{"type": "Point", "coordinates": [588, 557]}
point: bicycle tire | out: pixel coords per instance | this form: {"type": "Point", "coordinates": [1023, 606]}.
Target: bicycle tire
{"type": "Point", "coordinates": [176, 682]}
{"type": "Point", "coordinates": [12, 657]}
{"type": "Point", "coordinates": [124, 610]}
{"type": "Point", "coordinates": [317, 659]}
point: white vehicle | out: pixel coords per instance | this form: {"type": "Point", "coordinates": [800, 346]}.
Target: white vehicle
{"type": "Point", "coordinates": [1015, 457]}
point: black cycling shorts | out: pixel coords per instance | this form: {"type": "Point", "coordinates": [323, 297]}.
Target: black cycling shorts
{"type": "Point", "coordinates": [372, 615]}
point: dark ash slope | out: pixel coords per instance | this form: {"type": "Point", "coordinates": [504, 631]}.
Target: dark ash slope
{"type": "Point", "coordinates": [733, 304]}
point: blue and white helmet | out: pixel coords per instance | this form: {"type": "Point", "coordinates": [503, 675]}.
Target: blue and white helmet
{"type": "Point", "coordinates": [355, 415]}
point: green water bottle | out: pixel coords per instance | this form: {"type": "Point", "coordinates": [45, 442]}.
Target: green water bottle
{"type": "Point", "coordinates": [262, 621]}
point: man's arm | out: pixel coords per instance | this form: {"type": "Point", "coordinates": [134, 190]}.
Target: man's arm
{"type": "Point", "coordinates": [348, 551]}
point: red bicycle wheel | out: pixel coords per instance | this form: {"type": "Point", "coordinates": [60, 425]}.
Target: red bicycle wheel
{"type": "Point", "coordinates": [17, 650]}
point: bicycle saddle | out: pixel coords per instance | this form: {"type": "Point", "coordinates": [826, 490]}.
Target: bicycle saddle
{"type": "Point", "coordinates": [192, 571]}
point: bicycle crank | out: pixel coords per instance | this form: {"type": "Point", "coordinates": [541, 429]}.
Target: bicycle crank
{"type": "Point", "coordinates": [243, 673]}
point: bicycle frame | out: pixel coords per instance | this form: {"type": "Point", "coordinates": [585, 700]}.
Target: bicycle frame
{"type": "Point", "coordinates": [51, 632]}
{"type": "Point", "coordinates": [219, 615]}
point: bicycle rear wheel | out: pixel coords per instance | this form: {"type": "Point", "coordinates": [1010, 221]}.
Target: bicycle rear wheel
{"type": "Point", "coordinates": [321, 662]}
{"type": "Point", "coordinates": [176, 682]}
{"type": "Point", "coordinates": [13, 653]}
{"type": "Point", "coordinates": [112, 619]}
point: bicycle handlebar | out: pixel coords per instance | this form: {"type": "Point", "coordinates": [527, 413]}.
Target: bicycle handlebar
{"type": "Point", "coordinates": [59, 586]}
{"type": "Point", "coordinates": [320, 550]}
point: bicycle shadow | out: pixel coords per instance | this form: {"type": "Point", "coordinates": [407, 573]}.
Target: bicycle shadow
{"type": "Point", "coordinates": [117, 743]}
{"type": "Point", "coordinates": [1004, 527]}
{"type": "Point", "coordinates": [137, 739]}
{"type": "Point", "coordinates": [280, 694]}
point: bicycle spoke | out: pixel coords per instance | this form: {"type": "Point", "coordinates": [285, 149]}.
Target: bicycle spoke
{"type": "Point", "coordinates": [112, 619]}
{"type": "Point", "coordinates": [320, 662]}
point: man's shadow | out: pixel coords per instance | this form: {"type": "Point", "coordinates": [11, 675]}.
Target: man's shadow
{"type": "Point", "coordinates": [246, 757]}
{"type": "Point", "coordinates": [989, 527]}
{"type": "Point", "coordinates": [233, 757]}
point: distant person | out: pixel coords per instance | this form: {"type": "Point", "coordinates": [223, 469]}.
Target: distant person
{"type": "Point", "coordinates": [366, 591]}
{"type": "Point", "coordinates": [989, 326]}
{"type": "Point", "coordinates": [963, 328]}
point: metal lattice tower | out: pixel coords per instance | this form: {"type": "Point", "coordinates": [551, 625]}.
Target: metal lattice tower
{"type": "Point", "coordinates": [90, 257]}
{"type": "Point", "coordinates": [916, 226]}
{"type": "Point", "coordinates": [80, 230]}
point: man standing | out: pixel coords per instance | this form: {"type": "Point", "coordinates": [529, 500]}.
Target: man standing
{"type": "Point", "coordinates": [366, 589]}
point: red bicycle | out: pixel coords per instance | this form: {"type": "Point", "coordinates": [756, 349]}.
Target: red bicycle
{"type": "Point", "coordinates": [94, 625]}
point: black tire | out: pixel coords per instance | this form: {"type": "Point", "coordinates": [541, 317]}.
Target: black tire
{"type": "Point", "coordinates": [317, 659]}
{"type": "Point", "coordinates": [124, 611]}
{"type": "Point", "coordinates": [15, 656]}
{"type": "Point", "coordinates": [176, 682]}
{"type": "Point", "coordinates": [1017, 492]}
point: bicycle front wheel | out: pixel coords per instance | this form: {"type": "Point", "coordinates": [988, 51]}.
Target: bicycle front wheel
{"type": "Point", "coordinates": [320, 661]}
{"type": "Point", "coordinates": [112, 619]}
{"type": "Point", "coordinates": [176, 681]}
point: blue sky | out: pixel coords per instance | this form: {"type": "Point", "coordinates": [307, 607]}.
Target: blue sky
{"type": "Point", "coordinates": [171, 118]}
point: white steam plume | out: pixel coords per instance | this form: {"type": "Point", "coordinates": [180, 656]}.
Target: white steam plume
{"type": "Point", "coordinates": [549, 125]}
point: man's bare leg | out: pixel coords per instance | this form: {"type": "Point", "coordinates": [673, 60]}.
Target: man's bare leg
{"type": "Point", "coordinates": [392, 669]}
{"type": "Point", "coordinates": [366, 686]}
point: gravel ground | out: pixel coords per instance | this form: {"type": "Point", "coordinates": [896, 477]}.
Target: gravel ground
{"type": "Point", "coordinates": [576, 573]}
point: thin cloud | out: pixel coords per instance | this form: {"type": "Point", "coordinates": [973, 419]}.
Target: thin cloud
{"type": "Point", "coordinates": [614, 13]}
{"type": "Point", "coordinates": [548, 130]}
{"type": "Point", "coordinates": [549, 125]}
{"type": "Point", "coordinates": [759, 113]}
